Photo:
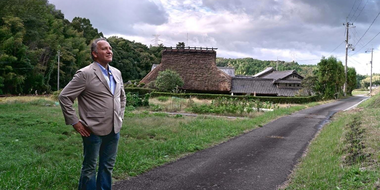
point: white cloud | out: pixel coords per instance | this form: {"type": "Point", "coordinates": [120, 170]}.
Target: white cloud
{"type": "Point", "coordinates": [300, 30]}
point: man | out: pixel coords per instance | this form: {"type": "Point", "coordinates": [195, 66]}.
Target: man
{"type": "Point", "coordinates": [101, 104]}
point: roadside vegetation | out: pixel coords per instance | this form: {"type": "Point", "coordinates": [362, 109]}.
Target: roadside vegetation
{"type": "Point", "coordinates": [38, 151]}
{"type": "Point", "coordinates": [345, 154]}
{"type": "Point", "coordinates": [360, 92]}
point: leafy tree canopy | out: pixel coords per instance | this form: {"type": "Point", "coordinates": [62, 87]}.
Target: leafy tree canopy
{"type": "Point", "coordinates": [32, 32]}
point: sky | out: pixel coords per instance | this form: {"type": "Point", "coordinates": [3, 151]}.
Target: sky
{"type": "Point", "coordinates": [288, 30]}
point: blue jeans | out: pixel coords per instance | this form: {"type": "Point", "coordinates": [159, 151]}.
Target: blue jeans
{"type": "Point", "coordinates": [104, 147]}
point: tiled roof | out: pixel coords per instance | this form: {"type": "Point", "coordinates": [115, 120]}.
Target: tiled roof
{"type": "Point", "coordinates": [259, 86]}
{"type": "Point", "coordinates": [289, 81]}
{"type": "Point", "coordinates": [278, 74]}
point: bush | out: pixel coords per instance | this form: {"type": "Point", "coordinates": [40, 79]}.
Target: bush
{"type": "Point", "coordinates": [154, 107]}
{"type": "Point", "coordinates": [163, 98]}
{"type": "Point", "coordinates": [232, 106]}
{"type": "Point", "coordinates": [55, 95]}
{"type": "Point", "coordinates": [135, 101]}
{"type": "Point", "coordinates": [168, 80]}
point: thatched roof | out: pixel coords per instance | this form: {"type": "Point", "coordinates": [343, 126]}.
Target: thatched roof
{"type": "Point", "coordinates": [196, 67]}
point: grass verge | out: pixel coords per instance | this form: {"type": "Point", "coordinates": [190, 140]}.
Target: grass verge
{"type": "Point", "coordinates": [38, 151]}
{"type": "Point", "coordinates": [345, 153]}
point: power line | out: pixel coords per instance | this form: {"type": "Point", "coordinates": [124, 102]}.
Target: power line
{"type": "Point", "coordinates": [366, 44]}
{"type": "Point", "coordinates": [355, 11]}
{"type": "Point", "coordinates": [352, 59]}
{"type": "Point", "coordinates": [361, 11]}
{"type": "Point", "coordinates": [351, 10]}
{"type": "Point", "coordinates": [368, 28]}
{"type": "Point", "coordinates": [355, 39]}
{"type": "Point", "coordinates": [337, 47]}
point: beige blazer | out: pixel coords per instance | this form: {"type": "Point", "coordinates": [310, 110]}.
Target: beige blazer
{"type": "Point", "coordinates": [99, 109]}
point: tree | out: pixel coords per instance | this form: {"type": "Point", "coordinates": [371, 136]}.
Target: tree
{"type": "Point", "coordinates": [366, 82]}
{"type": "Point", "coordinates": [13, 56]}
{"type": "Point", "coordinates": [180, 45]}
{"type": "Point", "coordinates": [309, 84]}
{"type": "Point", "coordinates": [84, 25]}
{"type": "Point", "coordinates": [134, 60]}
{"type": "Point", "coordinates": [168, 80]}
{"type": "Point", "coordinates": [330, 77]}
{"type": "Point", "coordinates": [351, 80]}
{"type": "Point", "coordinates": [157, 52]}
{"type": "Point", "coordinates": [359, 79]}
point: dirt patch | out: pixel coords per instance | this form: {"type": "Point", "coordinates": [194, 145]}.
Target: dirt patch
{"type": "Point", "coordinates": [8, 99]}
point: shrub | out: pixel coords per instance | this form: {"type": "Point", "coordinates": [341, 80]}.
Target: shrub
{"type": "Point", "coordinates": [135, 101]}
{"type": "Point", "coordinates": [168, 80]}
{"type": "Point", "coordinates": [231, 106]}
{"type": "Point", "coordinates": [55, 95]}
{"type": "Point", "coordinates": [154, 107]}
{"type": "Point", "coordinates": [163, 98]}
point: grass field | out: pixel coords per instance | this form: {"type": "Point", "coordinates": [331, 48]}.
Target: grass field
{"type": "Point", "coordinates": [38, 151]}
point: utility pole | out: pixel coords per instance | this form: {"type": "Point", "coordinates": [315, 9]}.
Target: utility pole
{"type": "Point", "coordinates": [370, 83]}
{"type": "Point", "coordinates": [59, 55]}
{"type": "Point", "coordinates": [345, 67]}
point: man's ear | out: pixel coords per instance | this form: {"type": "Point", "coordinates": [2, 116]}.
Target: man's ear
{"type": "Point", "coordinates": [94, 54]}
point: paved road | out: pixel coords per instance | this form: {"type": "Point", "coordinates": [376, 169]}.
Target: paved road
{"type": "Point", "coordinates": [260, 159]}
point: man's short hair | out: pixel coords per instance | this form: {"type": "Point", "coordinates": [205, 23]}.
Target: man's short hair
{"type": "Point", "coordinates": [94, 46]}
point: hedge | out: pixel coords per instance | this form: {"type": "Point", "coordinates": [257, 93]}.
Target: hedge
{"type": "Point", "coordinates": [274, 99]}
{"type": "Point", "coordinates": [139, 91]}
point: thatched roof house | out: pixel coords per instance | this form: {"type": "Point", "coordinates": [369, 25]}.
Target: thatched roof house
{"type": "Point", "coordinates": [196, 66]}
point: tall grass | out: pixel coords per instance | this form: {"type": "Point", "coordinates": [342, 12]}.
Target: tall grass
{"type": "Point", "coordinates": [38, 151]}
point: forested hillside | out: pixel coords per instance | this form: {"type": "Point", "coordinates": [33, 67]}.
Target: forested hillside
{"type": "Point", "coordinates": [33, 31]}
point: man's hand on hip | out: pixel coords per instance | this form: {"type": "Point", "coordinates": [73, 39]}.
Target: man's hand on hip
{"type": "Point", "coordinates": [82, 130]}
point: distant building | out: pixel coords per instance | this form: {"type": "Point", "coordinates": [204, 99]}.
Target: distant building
{"type": "Point", "coordinates": [268, 82]}
{"type": "Point", "coordinates": [197, 67]}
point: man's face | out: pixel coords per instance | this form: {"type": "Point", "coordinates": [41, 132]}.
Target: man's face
{"type": "Point", "coordinates": [104, 53]}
